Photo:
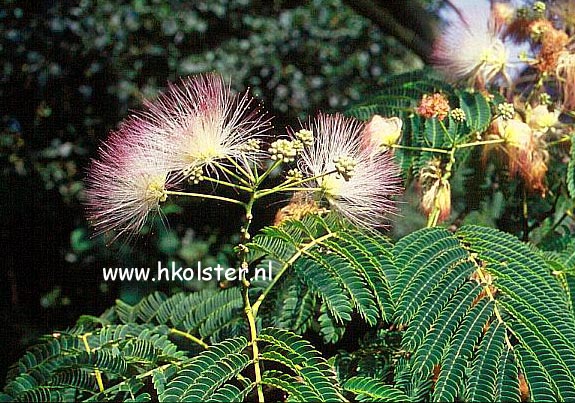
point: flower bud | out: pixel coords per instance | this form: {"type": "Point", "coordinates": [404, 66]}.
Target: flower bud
{"type": "Point", "coordinates": [283, 150]}
{"type": "Point", "coordinates": [438, 197]}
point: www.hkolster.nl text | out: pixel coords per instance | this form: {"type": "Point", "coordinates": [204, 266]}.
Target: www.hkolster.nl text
{"type": "Point", "coordinates": [173, 273]}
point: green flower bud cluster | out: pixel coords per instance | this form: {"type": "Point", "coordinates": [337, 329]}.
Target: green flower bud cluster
{"type": "Point", "coordinates": [195, 174]}
{"type": "Point", "coordinates": [345, 166]}
{"type": "Point", "coordinates": [305, 136]}
{"type": "Point", "coordinates": [458, 114]}
{"type": "Point", "coordinates": [251, 145]}
{"type": "Point", "coordinates": [294, 175]}
{"type": "Point", "coordinates": [506, 110]}
{"type": "Point", "coordinates": [545, 98]}
{"type": "Point", "coordinates": [539, 8]}
{"type": "Point", "coordinates": [283, 150]}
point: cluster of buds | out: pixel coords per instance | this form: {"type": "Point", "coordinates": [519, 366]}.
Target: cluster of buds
{"type": "Point", "coordinates": [294, 175]}
{"type": "Point", "coordinates": [284, 150]}
{"type": "Point", "coordinates": [195, 174]}
{"type": "Point", "coordinates": [458, 115]}
{"type": "Point", "coordinates": [252, 145]}
{"type": "Point", "coordinates": [305, 137]}
{"type": "Point", "coordinates": [345, 166]}
{"type": "Point", "coordinates": [506, 110]}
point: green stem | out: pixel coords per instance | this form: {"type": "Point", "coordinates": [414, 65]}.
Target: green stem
{"type": "Point", "coordinates": [228, 184]}
{"type": "Point", "coordinates": [267, 172]}
{"type": "Point", "coordinates": [433, 150]}
{"type": "Point", "coordinates": [206, 196]}
{"type": "Point", "coordinates": [445, 131]}
{"type": "Point", "coordinates": [433, 217]}
{"type": "Point", "coordinates": [288, 186]}
{"type": "Point", "coordinates": [97, 372]}
{"type": "Point", "coordinates": [561, 140]}
{"type": "Point", "coordinates": [232, 173]}
{"type": "Point", "coordinates": [284, 268]}
{"type": "Point", "coordinates": [189, 337]}
{"type": "Point", "coordinates": [480, 143]}
{"type": "Point", "coordinates": [536, 88]}
{"type": "Point", "coordinates": [290, 189]}
{"type": "Point", "coordinates": [119, 385]}
{"type": "Point", "coordinates": [247, 304]}
{"type": "Point", "coordinates": [449, 165]}
{"type": "Point", "coordinates": [243, 171]}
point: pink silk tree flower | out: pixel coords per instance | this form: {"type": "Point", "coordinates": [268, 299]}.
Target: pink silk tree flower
{"type": "Point", "coordinates": [472, 48]}
{"type": "Point", "coordinates": [201, 121]}
{"type": "Point", "coordinates": [362, 183]}
{"type": "Point", "coordinates": [128, 181]}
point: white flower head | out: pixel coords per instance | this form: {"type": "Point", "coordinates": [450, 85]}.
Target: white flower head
{"type": "Point", "coordinates": [365, 196]}
{"type": "Point", "coordinates": [472, 48]}
{"type": "Point", "coordinates": [202, 122]}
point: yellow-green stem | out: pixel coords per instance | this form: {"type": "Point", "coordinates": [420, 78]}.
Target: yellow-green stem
{"type": "Point", "coordinates": [446, 131]}
{"type": "Point", "coordinates": [97, 372]}
{"type": "Point", "coordinates": [228, 184]}
{"type": "Point", "coordinates": [189, 337]}
{"type": "Point", "coordinates": [480, 143]}
{"type": "Point", "coordinates": [432, 150]}
{"type": "Point", "coordinates": [267, 172]}
{"type": "Point", "coordinates": [561, 140]}
{"type": "Point", "coordinates": [243, 172]}
{"type": "Point", "coordinates": [247, 304]}
{"type": "Point", "coordinates": [287, 186]}
{"type": "Point", "coordinates": [232, 173]}
{"type": "Point", "coordinates": [286, 265]}
{"type": "Point", "coordinates": [205, 196]}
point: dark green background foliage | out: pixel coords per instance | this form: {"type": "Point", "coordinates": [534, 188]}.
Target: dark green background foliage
{"type": "Point", "coordinates": [71, 70]}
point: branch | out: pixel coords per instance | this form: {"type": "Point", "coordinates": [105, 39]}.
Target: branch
{"type": "Point", "coordinates": [415, 34]}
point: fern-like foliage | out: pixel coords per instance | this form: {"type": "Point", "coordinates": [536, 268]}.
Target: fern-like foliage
{"type": "Point", "coordinates": [401, 94]}
{"type": "Point", "coordinates": [482, 313]}
{"type": "Point", "coordinates": [571, 170]}
{"type": "Point", "coordinates": [373, 390]}
{"type": "Point", "coordinates": [343, 269]}
{"type": "Point", "coordinates": [471, 316]}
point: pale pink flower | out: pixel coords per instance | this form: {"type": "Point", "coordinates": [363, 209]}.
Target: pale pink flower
{"type": "Point", "coordinates": [363, 194]}
{"type": "Point", "coordinates": [202, 121]}
{"type": "Point", "coordinates": [382, 132]}
{"type": "Point", "coordinates": [128, 181]}
{"type": "Point", "coordinates": [472, 48]}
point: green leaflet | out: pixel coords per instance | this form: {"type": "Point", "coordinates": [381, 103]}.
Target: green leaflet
{"type": "Point", "coordinates": [373, 390]}
{"type": "Point", "coordinates": [571, 170]}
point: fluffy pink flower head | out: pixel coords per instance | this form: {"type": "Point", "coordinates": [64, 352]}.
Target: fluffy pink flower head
{"type": "Point", "coordinates": [202, 121]}
{"type": "Point", "coordinates": [472, 48]}
{"type": "Point", "coordinates": [365, 181]}
{"type": "Point", "coordinates": [127, 182]}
